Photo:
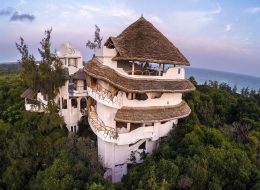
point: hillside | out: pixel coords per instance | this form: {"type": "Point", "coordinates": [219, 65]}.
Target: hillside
{"type": "Point", "coordinates": [9, 67]}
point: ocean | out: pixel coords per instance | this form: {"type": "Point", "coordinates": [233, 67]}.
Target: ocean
{"type": "Point", "coordinates": [240, 80]}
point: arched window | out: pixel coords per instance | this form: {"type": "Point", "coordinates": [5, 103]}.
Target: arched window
{"type": "Point", "coordinates": [74, 103]}
{"type": "Point", "coordinates": [64, 103]}
{"type": "Point", "coordinates": [83, 103]}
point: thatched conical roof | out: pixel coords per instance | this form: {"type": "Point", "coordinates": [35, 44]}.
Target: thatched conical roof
{"type": "Point", "coordinates": [141, 41]}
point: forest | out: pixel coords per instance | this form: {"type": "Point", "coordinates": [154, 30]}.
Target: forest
{"type": "Point", "coordinates": [216, 147]}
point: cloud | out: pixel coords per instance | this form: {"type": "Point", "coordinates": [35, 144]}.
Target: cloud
{"type": "Point", "coordinates": [196, 19]}
{"type": "Point", "coordinates": [119, 12]}
{"type": "Point", "coordinates": [6, 12]}
{"type": "Point", "coordinates": [22, 2]}
{"type": "Point", "coordinates": [22, 17]}
{"type": "Point", "coordinates": [154, 18]}
{"type": "Point", "coordinates": [88, 11]}
{"type": "Point", "coordinates": [228, 27]}
{"type": "Point", "coordinates": [253, 10]}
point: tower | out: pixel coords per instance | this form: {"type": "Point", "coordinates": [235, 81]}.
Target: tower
{"type": "Point", "coordinates": [135, 84]}
{"type": "Point", "coordinates": [71, 98]}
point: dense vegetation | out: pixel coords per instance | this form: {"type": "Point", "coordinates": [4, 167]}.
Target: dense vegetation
{"type": "Point", "coordinates": [32, 158]}
{"type": "Point", "coordinates": [217, 147]}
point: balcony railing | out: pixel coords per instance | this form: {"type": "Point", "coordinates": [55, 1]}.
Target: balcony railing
{"type": "Point", "coordinates": [76, 89]}
{"type": "Point", "coordinates": [104, 95]}
{"type": "Point", "coordinates": [146, 72]}
{"type": "Point", "coordinates": [99, 125]}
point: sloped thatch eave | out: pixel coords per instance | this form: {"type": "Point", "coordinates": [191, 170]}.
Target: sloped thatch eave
{"type": "Point", "coordinates": [152, 114]}
{"type": "Point", "coordinates": [97, 70]}
{"type": "Point", "coordinates": [29, 93]}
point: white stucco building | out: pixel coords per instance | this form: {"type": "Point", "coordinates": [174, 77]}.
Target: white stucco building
{"type": "Point", "coordinates": [132, 91]}
{"type": "Point", "coordinates": [135, 85]}
{"type": "Point", "coordinates": [72, 97]}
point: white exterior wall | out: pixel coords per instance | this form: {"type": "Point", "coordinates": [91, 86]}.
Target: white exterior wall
{"type": "Point", "coordinates": [66, 52]}
{"type": "Point", "coordinates": [167, 99]}
{"type": "Point", "coordinates": [106, 114]}
{"type": "Point", "coordinates": [115, 153]}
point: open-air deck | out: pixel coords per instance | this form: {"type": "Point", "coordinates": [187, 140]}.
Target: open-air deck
{"type": "Point", "coordinates": [100, 71]}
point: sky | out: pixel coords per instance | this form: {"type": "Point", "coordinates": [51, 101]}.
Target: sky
{"type": "Point", "coordinates": [213, 34]}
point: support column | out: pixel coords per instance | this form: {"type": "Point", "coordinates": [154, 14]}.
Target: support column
{"type": "Point", "coordinates": [159, 69]}
{"type": "Point", "coordinates": [163, 67]}
{"type": "Point", "coordinates": [128, 127]}
{"type": "Point", "coordinates": [133, 68]}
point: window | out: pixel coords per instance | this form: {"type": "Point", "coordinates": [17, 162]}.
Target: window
{"type": "Point", "coordinates": [58, 103]}
{"type": "Point", "coordinates": [141, 96]}
{"type": "Point", "coordinates": [163, 122]}
{"type": "Point", "coordinates": [71, 128]}
{"type": "Point", "coordinates": [83, 103]}
{"type": "Point", "coordinates": [142, 146]}
{"type": "Point", "coordinates": [63, 61]}
{"type": "Point", "coordinates": [73, 62]}
{"type": "Point", "coordinates": [121, 124]}
{"type": "Point", "coordinates": [148, 124]}
{"type": "Point", "coordinates": [134, 126]}
{"type": "Point", "coordinates": [179, 70]}
{"type": "Point", "coordinates": [64, 103]}
{"type": "Point", "coordinates": [74, 103]}
{"type": "Point", "coordinates": [85, 85]}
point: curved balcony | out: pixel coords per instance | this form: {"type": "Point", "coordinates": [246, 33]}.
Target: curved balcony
{"type": "Point", "coordinates": [100, 129]}
{"type": "Point", "coordinates": [123, 137]}
{"type": "Point", "coordinates": [105, 97]}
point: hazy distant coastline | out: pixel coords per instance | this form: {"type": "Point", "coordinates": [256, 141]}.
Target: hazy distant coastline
{"type": "Point", "coordinates": [240, 80]}
{"type": "Point", "coordinates": [201, 75]}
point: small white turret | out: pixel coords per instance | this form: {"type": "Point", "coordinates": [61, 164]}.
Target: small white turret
{"type": "Point", "coordinates": [70, 57]}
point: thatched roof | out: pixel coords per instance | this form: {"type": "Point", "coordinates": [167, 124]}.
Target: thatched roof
{"type": "Point", "coordinates": [29, 93]}
{"type": "Point", "coordinates": [152, 114]}
{"type": "Point", "coordinates": [97, 70]}
{"type": "Point", "coordinates": [79, 75]}
{"type": "Point", "coordinates": [141, 41]}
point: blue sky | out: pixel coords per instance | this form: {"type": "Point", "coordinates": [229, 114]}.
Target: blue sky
{"type": "Point", "coordinates": [213, 34]}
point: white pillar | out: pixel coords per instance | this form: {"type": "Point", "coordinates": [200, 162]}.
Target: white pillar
{"type": "Point", "coordinates": [128, 126]}
{"type": "Point", "coordinates": [133, 68]}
